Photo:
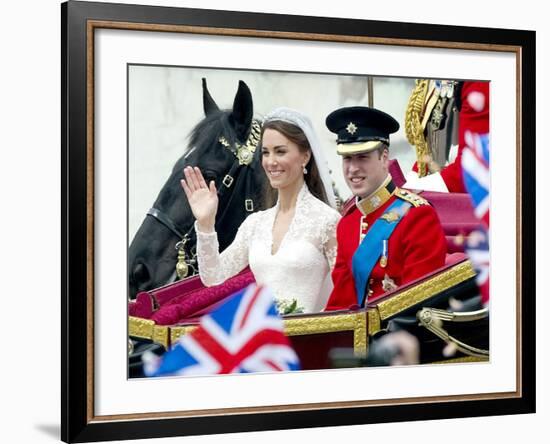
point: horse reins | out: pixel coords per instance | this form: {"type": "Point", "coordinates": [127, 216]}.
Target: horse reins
{"type": "Point", "coordinates": [167, 222]}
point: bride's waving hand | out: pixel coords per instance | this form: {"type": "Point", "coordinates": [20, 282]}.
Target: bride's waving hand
{"type": "Point", "coordinates": [203, 198]}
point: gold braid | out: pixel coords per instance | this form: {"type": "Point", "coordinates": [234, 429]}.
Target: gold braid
{"type": "Point", "coordinates": [413, 125]}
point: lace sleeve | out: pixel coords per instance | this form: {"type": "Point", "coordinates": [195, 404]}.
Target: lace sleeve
{"type": "Point", "coordinates": [215, 268]}
{"type": "Point", "coordinates": [329, 241]}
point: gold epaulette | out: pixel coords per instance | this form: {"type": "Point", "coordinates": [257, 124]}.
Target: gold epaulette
{"type": "Point", "coordinates": [409, 196]}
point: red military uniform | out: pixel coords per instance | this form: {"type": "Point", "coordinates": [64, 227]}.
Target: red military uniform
{"type": "Point", "coordinates": [473, 117]}
{"type": "Point", "coordinates": [416, 247]}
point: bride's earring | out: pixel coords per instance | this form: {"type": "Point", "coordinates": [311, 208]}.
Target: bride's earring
{"type": "Point", "coordinates": [304, 169]}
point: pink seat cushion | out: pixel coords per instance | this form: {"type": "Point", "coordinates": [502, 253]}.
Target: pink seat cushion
{"type": "Point", "coordinates": [184, 299]}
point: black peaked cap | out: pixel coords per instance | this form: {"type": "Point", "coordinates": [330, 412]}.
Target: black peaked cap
{"type": "Point", "coordinates": [355, 124]}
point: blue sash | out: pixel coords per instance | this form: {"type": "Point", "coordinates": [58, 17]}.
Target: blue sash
{"type": "Point", "coordinates": [370, 249]}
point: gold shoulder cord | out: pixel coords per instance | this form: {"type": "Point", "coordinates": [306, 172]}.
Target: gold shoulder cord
{"type": "Point", "coordinates": [413, 125]}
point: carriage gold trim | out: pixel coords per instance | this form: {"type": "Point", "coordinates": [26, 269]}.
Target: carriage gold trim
{"type": "Point", "coordinates": [295, 326]}
{"type": "Point", "coordinates": [301, 325]}
{"type": "Point", "coordinates": [363, 323]}
{"type": "Point", "coordinates": [149, 330]}
{"type": "Point", "coordinates": [409, 297]}
{"type": "Point", "coordinates": [463, 360]}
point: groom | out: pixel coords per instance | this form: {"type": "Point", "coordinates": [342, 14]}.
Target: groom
{"type": "Point", "coordinates": [389, 236]}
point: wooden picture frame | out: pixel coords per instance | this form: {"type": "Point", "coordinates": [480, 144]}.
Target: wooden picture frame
{"type": "Point", "coordinates": [80, 21]}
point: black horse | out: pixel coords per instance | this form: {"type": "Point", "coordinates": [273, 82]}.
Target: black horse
{"type": "Point", "coordinates": [223, 145]}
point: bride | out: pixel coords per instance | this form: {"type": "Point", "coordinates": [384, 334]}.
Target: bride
{"type": "Point", "coordinates": [290, 247]}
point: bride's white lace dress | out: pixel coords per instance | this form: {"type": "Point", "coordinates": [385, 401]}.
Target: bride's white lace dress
{"type": "Point", "coordinates": [298, 269]}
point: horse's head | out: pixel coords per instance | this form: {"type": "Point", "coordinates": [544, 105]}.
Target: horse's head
{"type": "Point", "coordinates": [222, 145]}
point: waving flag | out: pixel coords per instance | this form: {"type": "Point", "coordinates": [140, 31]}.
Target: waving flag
{"type": "Point", "coordinates": [243, 335]}
{"type": "Point", "coordinates": [475, 168]}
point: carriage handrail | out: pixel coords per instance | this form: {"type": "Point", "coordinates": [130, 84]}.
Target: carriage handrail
{"type": "Point", "coordinates": [432, 318]}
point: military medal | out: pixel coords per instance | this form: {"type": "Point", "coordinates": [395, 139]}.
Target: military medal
{"type": "Point", "coordinates": [384, 258]}
{"type": "Point", "coordinates": [388, 284]}
{"type": "Point", "coordinates": [391, 216]}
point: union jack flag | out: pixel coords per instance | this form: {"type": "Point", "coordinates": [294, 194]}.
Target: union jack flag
{"type": "Point", "coordinates": [475, 169]}
{"type": "Point", "coordinates": [243, 335]}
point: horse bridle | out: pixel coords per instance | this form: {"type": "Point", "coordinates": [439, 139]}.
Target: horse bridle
{"type": "Point", "coordinates": [182, 263]}
{"type": "Point", "coordinates": [167, 222]}
{"type": "Point", "coordinates": [244, 155]}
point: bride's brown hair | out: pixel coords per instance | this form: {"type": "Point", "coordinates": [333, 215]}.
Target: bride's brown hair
{"type": "Point", "coordinates": [312, 178]}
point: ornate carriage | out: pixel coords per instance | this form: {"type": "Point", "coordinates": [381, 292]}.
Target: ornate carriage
{"type": "Point", "coordinates": [416, 307]}
{"type": "Point", "coordinates": [421, 307]}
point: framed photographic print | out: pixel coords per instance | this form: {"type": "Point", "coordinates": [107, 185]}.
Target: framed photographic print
{"type": "Point", "coordinates": [149, 91]}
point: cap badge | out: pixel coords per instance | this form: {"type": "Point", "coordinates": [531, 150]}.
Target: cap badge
{"type": "Point", "coordinates": [351, 128]}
